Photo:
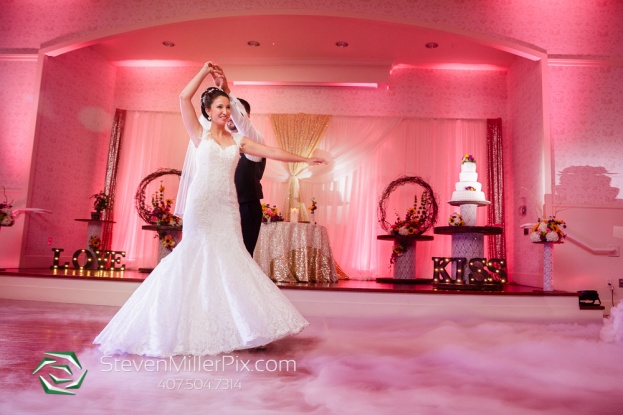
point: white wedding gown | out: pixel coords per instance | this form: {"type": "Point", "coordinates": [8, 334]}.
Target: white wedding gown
{"type": "Point", "coordinates": [208, 296]}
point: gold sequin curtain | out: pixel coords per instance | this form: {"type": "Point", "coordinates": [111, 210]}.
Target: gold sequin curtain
{"type": "Point", "coordinates": [114, 148]}
{"type": "Point", "coordinates": [299, 134]}
{"type": "Point", "coordinates": [495, 193]}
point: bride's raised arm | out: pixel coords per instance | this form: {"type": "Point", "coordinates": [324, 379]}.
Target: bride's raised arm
{"type": "Point", "coordinates": [249, 146]}
{"type": "Point", "coordinates": [189, 114]}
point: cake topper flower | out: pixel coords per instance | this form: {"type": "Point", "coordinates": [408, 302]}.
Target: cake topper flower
{"type": "Point", "coordinates": [470, 188]}
{"type": "Point", "coordinates": [468, 158]}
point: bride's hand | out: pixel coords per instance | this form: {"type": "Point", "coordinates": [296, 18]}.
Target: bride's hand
{"type": "Point", "coordinates": [316, 160]}
{"type": "Point", "coordinates": [209, 66]}
{"type": "Point", "coordinates": [220, 80]}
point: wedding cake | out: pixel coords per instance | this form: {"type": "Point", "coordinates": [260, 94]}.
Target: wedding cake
{"type": "Point", "coordinates": [468, 189]}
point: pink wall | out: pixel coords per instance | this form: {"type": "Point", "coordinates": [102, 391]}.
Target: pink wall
{"type": "Point", "coordinates": [587, 125]}
{"type": "Point", "coordinates": [587, 141]}
{"type": "Point", "coordinates": [422, 93]}
{"type": "Point", "coordinates": [69, 162]}
{"type": "Point", "coordinates": [16, 123]}
{"type": "Point", "coordinates": [523, 167]}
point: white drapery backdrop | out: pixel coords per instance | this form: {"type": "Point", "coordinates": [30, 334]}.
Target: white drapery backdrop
{"type": "Point", "coordinates": [366, 154]}
{"type": "Point", "coordinates": [151, 140]}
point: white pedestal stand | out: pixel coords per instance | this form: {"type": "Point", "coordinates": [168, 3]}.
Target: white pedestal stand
{"type": "Point", "coordinates": [404, 266]}
{"type": "Point", "coordinates": [548, 265]}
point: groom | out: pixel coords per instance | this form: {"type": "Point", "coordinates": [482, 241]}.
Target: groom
{"type": "Point", "coordinates": [250, 169]}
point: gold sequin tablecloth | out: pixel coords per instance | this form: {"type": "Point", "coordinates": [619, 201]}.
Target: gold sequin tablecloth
{"type": "Point", "coordinates": [295, 252]}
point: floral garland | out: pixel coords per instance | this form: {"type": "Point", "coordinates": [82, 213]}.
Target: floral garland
{"type": "Point", "coordinates": [270, 214]}
{"type": "Point", "coordinates": [548, 230]}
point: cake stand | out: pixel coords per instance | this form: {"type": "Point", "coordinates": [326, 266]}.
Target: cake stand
{"type": "Point", "coordinates": [467, 240]}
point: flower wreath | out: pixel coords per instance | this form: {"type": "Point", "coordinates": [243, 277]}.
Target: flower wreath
{"type": "Point", "coordinates": [139, 199]}
{"type": "Point", "coordinates": [431, 214]}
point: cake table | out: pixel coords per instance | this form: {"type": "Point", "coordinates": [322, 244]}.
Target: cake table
{"type": "Point", "coordinates": [467, 238]}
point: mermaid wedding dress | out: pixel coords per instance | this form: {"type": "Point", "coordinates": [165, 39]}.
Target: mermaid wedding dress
{"type": "Point", "coordinates": [208, 296]}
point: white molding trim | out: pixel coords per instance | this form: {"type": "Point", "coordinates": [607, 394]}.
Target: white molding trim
{"type": "Point", "coordinates": [19, 57]}
{"type": "Point", "coordinates": [312, 303]}
{"type": "Point", "coordinates": [584, 62]}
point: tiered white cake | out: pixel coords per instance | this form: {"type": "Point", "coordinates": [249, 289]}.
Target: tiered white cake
{"type": "Point", "coordinates": [468, 189]}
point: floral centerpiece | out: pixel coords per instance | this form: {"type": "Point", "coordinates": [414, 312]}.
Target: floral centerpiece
{"type": "Point", "coordinates": [548, 230]}
{"type": "Point", "coordinates": [414, 223]}
{"type": "Point", "coordinates": [162, 210]}
{"type": "Point", "coordinates": [270, 214]}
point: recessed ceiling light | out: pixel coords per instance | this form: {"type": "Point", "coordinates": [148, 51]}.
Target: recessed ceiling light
{"type": "Point", "coordinates": [253, 43]}
{"type": "Point", "coordinates": [432, 45]}
{"type": "Point", "coordinates": [341, 44]}
{"type": "Point", "coordinates": [168, 44]}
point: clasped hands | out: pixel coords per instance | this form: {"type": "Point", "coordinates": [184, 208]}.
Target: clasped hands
{"type": "Point", "coordinates": [218, 75]}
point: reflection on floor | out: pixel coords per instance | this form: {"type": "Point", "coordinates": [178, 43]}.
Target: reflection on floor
{"type": "Point", "coordinates": [336, 366]}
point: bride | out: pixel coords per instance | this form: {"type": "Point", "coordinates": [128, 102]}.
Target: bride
{"type": "Point", "coordinates": [208, 296]}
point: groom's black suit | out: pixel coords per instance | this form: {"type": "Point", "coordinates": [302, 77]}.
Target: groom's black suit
{"type": "Point", "coordinates": [249, 189]}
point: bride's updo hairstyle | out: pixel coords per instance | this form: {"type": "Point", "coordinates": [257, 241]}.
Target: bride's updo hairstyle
{"type": "Point", "coordinates": [208, 96]}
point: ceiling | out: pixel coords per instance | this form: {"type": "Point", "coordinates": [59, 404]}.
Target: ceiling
{"type": "Point", "coordinates": [298, 41]}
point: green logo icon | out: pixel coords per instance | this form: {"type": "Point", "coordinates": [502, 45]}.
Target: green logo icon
{"type": "Point", "coordinates": [61, 363]}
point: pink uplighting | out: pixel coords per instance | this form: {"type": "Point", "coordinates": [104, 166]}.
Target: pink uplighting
{"type": "Point", "coordinates": [154, 63]}
{"type": "Point", "coordinates": [450, 66]}
{"type": "Point", "coordinates": [333, 84]}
